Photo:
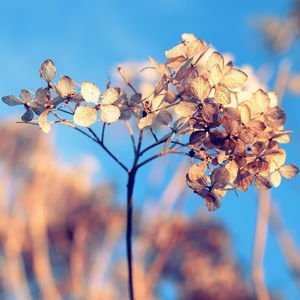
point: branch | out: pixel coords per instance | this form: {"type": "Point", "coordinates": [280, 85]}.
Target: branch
{"type": "Point", "coordinates": [103, 132]}
{"type": "Point", "coordinates": [170, 151]}
{"type": "Point", "coordinates": [159, 142]}
{"type": "Point", "coordinates": [120, 71]}
{"type": "Point", "coordinates": [118, 161]}
{"type": "Point", "coordinates": [129, 128]}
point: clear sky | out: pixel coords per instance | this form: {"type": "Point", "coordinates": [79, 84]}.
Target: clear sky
{"type": "Point", "coordinates": [86, 39]}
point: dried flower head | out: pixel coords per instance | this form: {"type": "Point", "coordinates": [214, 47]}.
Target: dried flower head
{"type": "Point", "coordinates": [232, 130]}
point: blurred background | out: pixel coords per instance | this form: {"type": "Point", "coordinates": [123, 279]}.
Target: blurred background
{"type": "Point", "coordinates": [62, 201]}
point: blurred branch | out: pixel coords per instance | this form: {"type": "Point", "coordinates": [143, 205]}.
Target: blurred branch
{"type": "Point", "coordinates": [286, 243]}
{"type": "Point", "coordinates": [282, 78]}
{"type": "Point", "coordinates": [258, 277]}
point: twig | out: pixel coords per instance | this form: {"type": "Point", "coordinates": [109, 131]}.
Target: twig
{"type": "Point", "coordinates": [120, 71]}
{"type": "Point", "coordinates": [159, 142]}
{"type": "Point", "coordinates": [129, 128]}
{"type": "Point", "coordinates": [107, 150]}
{"type": "Point", "coordinates": [139, 145]}
{"type": "Point", "coordinates": [170, 151]}
{"type": "Point", "coordinates": [153, 134]}
{"type": "Point", "coordinates": [103, 132]}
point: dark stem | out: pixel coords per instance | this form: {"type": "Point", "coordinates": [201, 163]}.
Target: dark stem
{"type": "Point", "coordinates": [130, 187]}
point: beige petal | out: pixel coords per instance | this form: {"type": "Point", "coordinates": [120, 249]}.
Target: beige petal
{"type": "Point", "coordinates": [234, 78]}
{"type": "Point", "coordinates": [47, 70]}
{"type": "Point", "coordinates": [196, 171]}
{"type": "Point", "coordinates": [109, 113]}
{"type": "Point", "coordinates": [90, 92]}
{"type": "Point", "coordinates": [85, 115]}
{"type": "Point", "coordinates": [276, 178]}
{"type": "Point", "coordinates": [289, 171]}
{"type": "Point", "coordinates": [43, 122]}
{"type": "Point", "coordinates": [215, 59]}
{"type": "Point", "coordinates": [222, 95]}
{"type": "Point", "coordinates": [110, 96]}
{"type": "Point", "coordinates": [201, 88]}
{"type": "Point", "coordinates": [146, 122]}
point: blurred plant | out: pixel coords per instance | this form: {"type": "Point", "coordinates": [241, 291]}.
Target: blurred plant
{"type": "Point", "coordinates": [62, 242]}
{"type": "Point", "coordinates": [200, 99]}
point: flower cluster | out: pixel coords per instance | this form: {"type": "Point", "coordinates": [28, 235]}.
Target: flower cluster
{"type": "Point", "coordinates": [204, 102]}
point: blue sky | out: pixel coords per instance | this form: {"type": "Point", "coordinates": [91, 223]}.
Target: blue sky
{"type": "Point", "coordinates": [87, 38]}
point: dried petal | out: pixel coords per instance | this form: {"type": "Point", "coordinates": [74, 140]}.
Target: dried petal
{"type": "Point", "coordinates": [157, 102]}
{"type": "Point", "coordinates": [12, 100]}
{"type": "Point", "coordinates": [175, 62]}
{"type": "Point", "coordinates": [234, 78]}
{"type": "Point", "coordinates": [28, 115]}
{"type": "Point", "coordinates": [262, 183]}
{"type": "Point", "coordinates": [186, 109]}
{"type": "Point", "coordinates": [176, 51]}
{"type": "Point", "coordinates": [161, 68]}
{"type": "Point", "coordinates": [289, 171]}
{"type": "Point", "coordinates": [26, 96]}
{"type": "Point", "coordinates": [232, 114]}
{"type": "Point", "coordinates": [188, 37]}
{"type": "Point", "coordinates": [110, 96]}
{"type": "Point", "coordinates": [243, 180]}
{"type": "Point", "coordinates": [90, 92]}
{"type": "Point", "coordinates": [164, 117]}
{"type": "Point", "coordinates": [215, 59]}
{"type": "Point", "coordinates": [212, 201]}
{"type": "Point", "coordinates": [210, 113]}
{"type": "Point", "coordinates": [219, 177]}
{"type": "Point", "coordinates": [222, 94]}
{"type": "Point", "coordinates": [258, 147]}
{"type": "Point", "coordinates": [216, 74]}
{"type": "Point", "coordinates": [43, 122]}
{"type": "Point", "coordinates": [233, 169]}
{"type": "Point", "coordinates": [66, 86]}
{"type": "Point", "coordinates": [197, 138]}
{"type": "Point", "coordinates": [109, 113]}
{"type": "Point", "coordinates": [276, 178]}
{"type": "Point", "coordinates": [85, 115]}
{"type": "Point", "coordinates": [195, 48]}
{"type": "Point", "coordinates": [201, 88]}
{"type": "Point", "coordinates": [275, 117]}
{"type": "Point", "coordinates": [147, 121]}
{"type": "Point", "coordinates": [197, 185]}
{"type": "Point", "coordinates": [197, 171]}
{"type": "Point", "coordinates": [247, 135]}
{"type": "Point", "coordinates": [47, 70]}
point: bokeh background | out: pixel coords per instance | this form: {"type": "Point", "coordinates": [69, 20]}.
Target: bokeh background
{"type": "Point", "coordinates": [86, 40]}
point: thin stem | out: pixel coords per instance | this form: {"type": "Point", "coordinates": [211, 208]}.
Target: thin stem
{"type": "Point", "coordinates": [129, 128]}
{"type": "Point", "coordinates": [139, 146]}
{"type": "Point", "coordinates": [159, 142]}
{"type": "Point", "coordinates": [103, 132]}
{"type": "Point", "coordinates": [64, 111]}
{"type": "Point", "coordinates": [84, 133]}
{"type": "Point", "coordinates": [153, 134]}
{"type": "Point", "coordinates": [170, 151]}
{"type": "Point", "coordinates": [130, 187]}
{"type": "Point", "coordinates": [120, 71]}
{"type": "Point", "coordinates": [70, 108]}
{"type": "Point", "coordinates": [107, 150]}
